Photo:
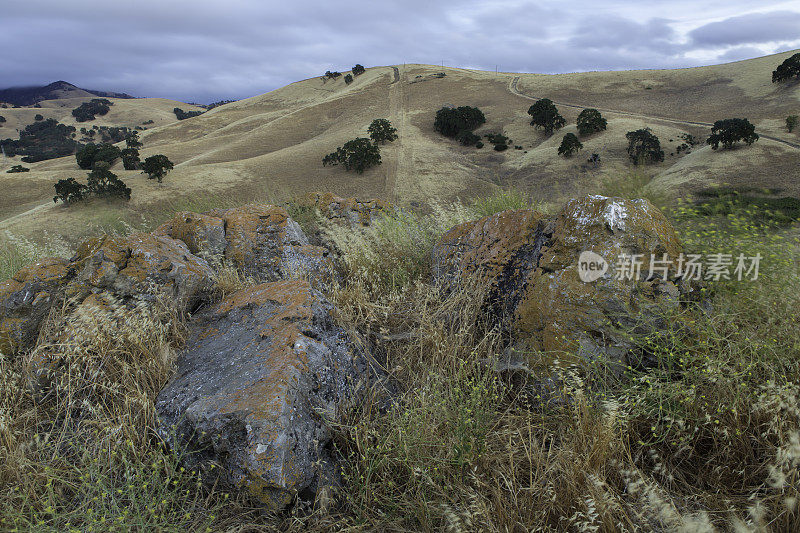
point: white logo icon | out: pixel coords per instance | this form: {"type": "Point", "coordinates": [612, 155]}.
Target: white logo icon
{"type": "Point", "coordinates": [591, 266]}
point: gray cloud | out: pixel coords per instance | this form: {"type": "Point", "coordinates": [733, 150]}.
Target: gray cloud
{"type": "Point", "coordinates": [750, 29]}
{"type": "Point", "coordinates": [201, 50]}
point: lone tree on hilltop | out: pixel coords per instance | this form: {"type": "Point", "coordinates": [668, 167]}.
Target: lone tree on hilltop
{"type": "Point", "coordinates": [381, 131]}
{"type": "Point", "coordinates": [545, 115]}
{"type": "Point", "coordinates": [451, 121]}
{"type": "Point", "coordinates": [644, 147]}
{"type": "Point", "coordinates": [132, 140]}
{"type": "Point", "coordinates": [156, 167]}
{"type": "Point", "coordinates": [591, 121]}
{"type": "Point", "coordinates": [730, 131]}
{"type": "Point", "coordinates": [358, 70]}
{"type": "Point", "coordinates": [569, 145]}
{"type": "Point", "coordinates": [788, 69]}
{"type": "Point", "coordinates": [358, 154]}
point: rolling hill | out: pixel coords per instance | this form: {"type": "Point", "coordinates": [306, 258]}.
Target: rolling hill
{"type": "Point", "coordinates": [25, 96]}
{"type": "Point", "coordinates": [271, 146]}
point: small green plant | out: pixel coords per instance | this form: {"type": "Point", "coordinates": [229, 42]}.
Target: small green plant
{"type": "Point", "coordinates": [569, 145]}
{"type": "Point", "coordinates": [38, 117]}
{"type": "Point", "coordinates": [791, 123]}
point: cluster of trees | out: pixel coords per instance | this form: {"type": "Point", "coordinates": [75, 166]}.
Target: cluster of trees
{"type": "Point", "coordinates": [101, 183]}
{"type": "Point", "coordinates": [458, 123]}
{"type": "Point", "coordinates": [214, 104]}
{"type": "Point", "coordinates": [787, 70]}
{"type": "Point", "coordinates": [361, 153]}
{"type": "Point", "coordinates": [46, 139]}
{"type": "Point", "coordinates": [89, 110]}
{"type": "Point", "coordinates": [500, 141]}
{"type": "Point", "coordinates": [17, 168]}
{"type": "Point", "coordinates": [92, 153]}
{"type": "Point", "coordinates": [183, 115]}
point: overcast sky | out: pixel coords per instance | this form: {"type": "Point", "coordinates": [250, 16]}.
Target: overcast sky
{"type": "Point", "coordinates": [203, 50]}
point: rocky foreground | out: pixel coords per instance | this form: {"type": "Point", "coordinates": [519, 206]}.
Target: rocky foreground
{"type": "Point", "coordinates": [266, 366]}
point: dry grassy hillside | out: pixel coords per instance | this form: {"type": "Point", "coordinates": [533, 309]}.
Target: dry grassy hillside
{"type": "Point", "coordinates": [271, 146]}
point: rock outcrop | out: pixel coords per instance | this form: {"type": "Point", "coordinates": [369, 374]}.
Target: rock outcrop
{"type": "Point", "coordinates": [260, 240]}
{"type": "Point", "coordinates": [529, 261]}
{"type": "Point", "coordinates": [260, 369]}
{"type": "Point", "coordinates": [353, 211]}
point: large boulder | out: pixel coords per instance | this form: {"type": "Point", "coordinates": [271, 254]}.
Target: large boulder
{"type": "Point", "coordinates": [260, 240]}
{"type": "Point", "coordinates": [26, 299]}
{"type": "Point", "coordinates": [260, 369]}
{"type": "Point", "coordinates": [529, 262]}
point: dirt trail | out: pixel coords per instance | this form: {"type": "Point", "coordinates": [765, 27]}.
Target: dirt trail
{"type": "Point", "coordinates": [398, 117]}
{"type": "Point", "coordinates": [512, 86]}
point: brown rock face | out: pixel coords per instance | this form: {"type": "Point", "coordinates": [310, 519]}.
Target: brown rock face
{"type": "Point", "coordinates": [351, 210]}
{"type": "Point", "coordinates": [26, 299]}
{"type": "Point", "coordinates": [258, 369]}
{"type": "Point", "coordinates": [530, 262]}
{"type": "Point", "coordinates": [261, 240]}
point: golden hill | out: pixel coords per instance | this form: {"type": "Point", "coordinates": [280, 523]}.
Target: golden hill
{"type": "Point", "coordinates": [271, 146]}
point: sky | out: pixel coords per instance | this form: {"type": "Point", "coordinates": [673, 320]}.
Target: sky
{"type": "Point", "coordinates": [203, 51]}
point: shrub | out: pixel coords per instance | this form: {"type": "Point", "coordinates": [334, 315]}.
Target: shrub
{"type": "Point", "coordinates": [358, 154]}
{"type": "Point", "coordinates": [88, 110]}
{"type": "Point", "coordinates": [332, 75]}
{"type": "Point", "coordinates": [594, 159]}
{"type": "Point", "coordinates": [156, 167]}
{"type": "Point", "coordinates": [38, 117]}
{"type": "Point", "coordinates": [69, 191]}
{"type": "Point", "coordinates": [348, 79]}
{"type": "Point", "coordinates": [591, 121]}
{"type": "Point", "coordinates": [450, 121]}
{"type": "Point", "coordinates": [43, 140]}
{"type": "Point", "coordinates": [790, 68]}
{"type": "Point", "coordinates": [2, 119]}
{"type": "Point", "coordinates": [130, 159]}
{"type": "Point", "coordinates": [381, 131]}
{"type": "Point", "coordinates": [183, 115]}
{"type": "Point", "coordinates": [17, 168]}
{"type": "Point", "coordinates": [791, 123]}
{"type": "Point", "coordinates": [92, 153]}
{"type": "Point", "coordinates": [358, 70]}
{"type": "Point", "coordinates": [644, 147]}
{"type": "Point", "coordinates": [730, 131]}
{"type": "Point", "coordinates": [467, 138]}
{"type": "Point", "coordinates": [569, 145]}
{"type": "Point", "coordinates": [479, 144]}
{"type": "Point", "coordinates": [545, 115]}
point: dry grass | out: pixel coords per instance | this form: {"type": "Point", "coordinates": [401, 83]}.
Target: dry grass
{"type": "Point", "coordinates": [708, 440]}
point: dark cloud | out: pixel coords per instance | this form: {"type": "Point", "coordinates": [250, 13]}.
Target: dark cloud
{"type": "Point", "coordinates": [749, 29]}
{"type": "Point", "coordinates": [202, 50]}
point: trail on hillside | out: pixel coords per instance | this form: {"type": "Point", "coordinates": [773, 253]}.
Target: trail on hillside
{"type": "Point", "coordinates": [5, 223]}
{"type": "Point", "coordinates": [512, 86]}
{"type": "Point", "coordinates": [398, 111]}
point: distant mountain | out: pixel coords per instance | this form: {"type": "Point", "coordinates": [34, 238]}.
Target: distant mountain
{"type": "Point", "coordinates": [54, 91]}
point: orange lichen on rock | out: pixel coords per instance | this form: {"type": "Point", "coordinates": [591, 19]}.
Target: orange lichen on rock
{"type": "Point", "coordinates": [530, 263]}
{"type": "Point", "coordinates": [203, 234]}
{"type": "Point", "coordinates": [257, 368]}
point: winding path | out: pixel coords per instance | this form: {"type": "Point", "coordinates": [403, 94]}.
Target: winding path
{"type": "Point", "coordinates": [398, 111]}
{"type": "Point", "coordinates": [512, 86]}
